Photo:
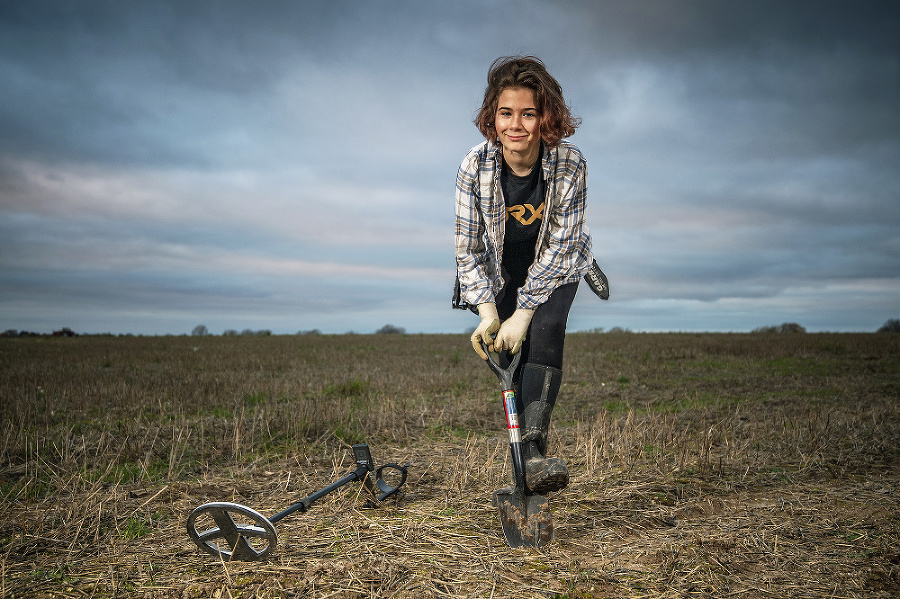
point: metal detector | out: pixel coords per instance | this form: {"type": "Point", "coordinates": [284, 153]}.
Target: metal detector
{"type": "Point", "coordinates": [239, 533]}
{"type": "Point", "coordinates": [524, 516]}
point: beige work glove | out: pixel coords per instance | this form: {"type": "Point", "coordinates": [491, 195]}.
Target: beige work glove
{"type": "Point", "coordinates": [490, 322]}
{"type": "Point", "coordinates": [512, 332]}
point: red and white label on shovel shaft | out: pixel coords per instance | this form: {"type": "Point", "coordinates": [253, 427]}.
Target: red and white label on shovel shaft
{"type": "Point", "coordinates": [512, 418]}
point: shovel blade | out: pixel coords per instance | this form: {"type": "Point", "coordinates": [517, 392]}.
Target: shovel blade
{"type": "Point", "coordinates": [526, 519]}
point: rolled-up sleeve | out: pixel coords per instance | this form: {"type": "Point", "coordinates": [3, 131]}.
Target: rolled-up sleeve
{"type": "Point", "coordinates": [473, 261]}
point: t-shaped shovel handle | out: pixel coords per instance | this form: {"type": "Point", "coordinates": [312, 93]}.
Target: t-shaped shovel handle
{"type": "Point", "coordinates": [505, 375]}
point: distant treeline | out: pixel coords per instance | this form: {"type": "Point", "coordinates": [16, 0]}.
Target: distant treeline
{"type": "Point", "coordinates": [890, 326]}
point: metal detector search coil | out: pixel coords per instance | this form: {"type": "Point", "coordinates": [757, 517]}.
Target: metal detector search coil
{"type": "Point", "coordinates": [240, 533]}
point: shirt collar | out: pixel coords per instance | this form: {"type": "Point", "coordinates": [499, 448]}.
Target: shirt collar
{"type": "Point", "coordinates": [496, 152]}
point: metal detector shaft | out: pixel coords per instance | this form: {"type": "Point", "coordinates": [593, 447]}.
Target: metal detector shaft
{"type": "Point", "coordinates": [305, 503]}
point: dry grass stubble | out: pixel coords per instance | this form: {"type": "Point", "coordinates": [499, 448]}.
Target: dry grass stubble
{"type": "Point", "coordinates": [702, 466]}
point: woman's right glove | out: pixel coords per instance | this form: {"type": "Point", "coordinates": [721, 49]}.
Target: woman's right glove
{"type": "Point", "coordinates": [490, 323]}
{"type": "Point", "coordinates": [512, 333]}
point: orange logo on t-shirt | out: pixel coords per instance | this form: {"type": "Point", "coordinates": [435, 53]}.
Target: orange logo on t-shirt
{"type": "Point", "coordinates": [518, 213]}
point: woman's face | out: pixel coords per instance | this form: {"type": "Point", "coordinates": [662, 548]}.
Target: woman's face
{"type": "Point", "coordinates": [517, 121]}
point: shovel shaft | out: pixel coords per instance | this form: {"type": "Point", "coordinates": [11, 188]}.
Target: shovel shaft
{"type": "Point", "coordinates": [515, 437]}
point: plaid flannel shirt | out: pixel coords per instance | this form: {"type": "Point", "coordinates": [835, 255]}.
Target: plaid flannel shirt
{"type": "Point", "coordinates": [563, 250]}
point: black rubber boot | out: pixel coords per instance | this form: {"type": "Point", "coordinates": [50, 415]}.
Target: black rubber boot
{"type": "Point", "coordinates": [539, 387]}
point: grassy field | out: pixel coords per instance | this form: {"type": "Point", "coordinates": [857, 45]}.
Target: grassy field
{"type": "Point", "coordinates": [703, 465]}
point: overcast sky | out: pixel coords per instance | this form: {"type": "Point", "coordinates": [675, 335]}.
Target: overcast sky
{"type": "Point", "coordinates": [291, 165]}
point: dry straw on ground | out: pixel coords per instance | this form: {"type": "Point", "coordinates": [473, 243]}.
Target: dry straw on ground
{"type": "Point", "coordinates": [702, 466]}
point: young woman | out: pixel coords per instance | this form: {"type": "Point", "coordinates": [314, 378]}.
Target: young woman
{"type": "Point", "coordinates": [521, 242]}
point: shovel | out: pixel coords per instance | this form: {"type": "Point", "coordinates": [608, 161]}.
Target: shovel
{"type": "Point", "coordinates": [525, 516]}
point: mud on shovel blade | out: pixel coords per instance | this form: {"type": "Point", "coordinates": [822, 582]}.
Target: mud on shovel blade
{"type": "Point", "coordinates": [524, 516]}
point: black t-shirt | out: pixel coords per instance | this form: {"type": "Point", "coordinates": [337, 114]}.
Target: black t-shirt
{"type": "Point", "coordinates": [524, 197]}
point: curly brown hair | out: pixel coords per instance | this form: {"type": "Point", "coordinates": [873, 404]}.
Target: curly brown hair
{"type": "Point", "coordinates": [557, 121]}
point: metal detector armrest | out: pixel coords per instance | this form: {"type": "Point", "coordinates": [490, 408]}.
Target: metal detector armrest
{"type": "Point", "coordinates": [387, 490]}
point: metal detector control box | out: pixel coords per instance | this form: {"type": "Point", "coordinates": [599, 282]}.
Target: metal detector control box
{"type": "Point", "coordinates": [363, 456]}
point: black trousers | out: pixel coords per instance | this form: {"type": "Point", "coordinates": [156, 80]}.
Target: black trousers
{"type": "Point", "coordinates": [546, 336]}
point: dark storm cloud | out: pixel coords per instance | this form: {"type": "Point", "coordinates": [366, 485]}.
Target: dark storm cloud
{"type": "Point", "coordinates": [142, 83]}
{"type": "Point", "coordinates": [659, 29]}
{"type": "Point", "coordinates": [264, 156]}
{"type": "Point", "coordinates": [753, 142]}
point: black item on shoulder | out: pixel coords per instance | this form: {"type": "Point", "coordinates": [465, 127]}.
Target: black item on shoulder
{"type": "Point", "coordinates": [597, 281]}
{"type": "Point", "coordinates": [458, 303]}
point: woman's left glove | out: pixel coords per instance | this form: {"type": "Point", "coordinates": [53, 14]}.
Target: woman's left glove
{"type": "Point", "coordinates": [513, 330]}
